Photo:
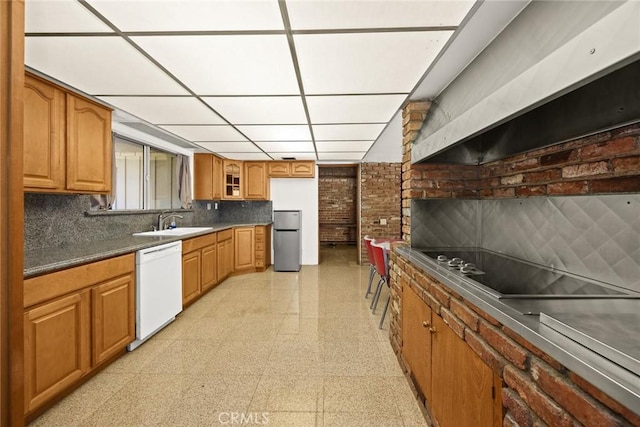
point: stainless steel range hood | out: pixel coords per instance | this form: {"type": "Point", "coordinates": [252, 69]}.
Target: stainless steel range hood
{"type": "Point", "coordinates": [606, 103]}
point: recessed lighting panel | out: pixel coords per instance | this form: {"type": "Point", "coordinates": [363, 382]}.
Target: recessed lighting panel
{"type": "Point", "coordinates": [165, 110]}
{"type": "Point", "coordinates": [205, 133]}
{"type": "Point", "coordinates": [260, 110]}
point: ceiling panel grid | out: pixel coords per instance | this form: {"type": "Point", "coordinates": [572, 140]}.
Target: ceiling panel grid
{"type": "Point", "coordinates": [260, 79]}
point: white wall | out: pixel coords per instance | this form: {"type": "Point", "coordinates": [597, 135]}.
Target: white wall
{"type": "Point", "coordinates": [300, 194]}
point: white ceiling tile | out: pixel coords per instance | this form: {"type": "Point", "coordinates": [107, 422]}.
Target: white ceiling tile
{"type": "Point", "coordinates": [341, 156]}
{"type": "Point", "coordinates": [62, 16]}
{"type": "Point", "coordinates": [276, 133]}
{"type": "Point", "coordinates": [260, 110]}
{"type": "Point", "coordinates": [340, 146]}
{"type": "Point", "coordinates": [230, 147]}
{"type": "Point", "coordinates": [190, 15]}
{"type": "Point", "coordinates": [287, 146]}
{"type": "Point", "coordinates": [246, 156]}
{"type": "Point", "coordinates": [165, 110]}
{"type": "Point", "coordinates": [206, 133]}
{"type": "Point", "coordinates": [366, 63]}
{"type": "Point", "coordinates": [297, 155]}
{"type": "Point", "coordinates": [227, 65]}
{"type": "Point", "coordinates": [376, 14]}
{"type": "Point", "coordinates": [366, 132]}
{"type": "Point", "coordinates": [98, 66]}
{"type": "Point", "coordinates": [353, 109]}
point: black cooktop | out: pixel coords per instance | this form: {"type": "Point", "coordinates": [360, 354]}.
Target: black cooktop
{"type": "Point", "coordinates": [512, 278]}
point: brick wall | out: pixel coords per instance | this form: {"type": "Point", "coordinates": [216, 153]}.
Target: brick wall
{"type": "Point", "coordinates": [337, 191]}
{"type": "Point", "coordinates": [536, 389]}
{"type": "Point", "coordinates": [380, 198]}
{"type": "Point", "coordinates": [605, 163]}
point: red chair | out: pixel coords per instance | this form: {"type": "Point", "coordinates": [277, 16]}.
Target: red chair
{"type": "Point", "coordinates": [372, 263]}
{"type": "Point", "coordinates": [381, 259]}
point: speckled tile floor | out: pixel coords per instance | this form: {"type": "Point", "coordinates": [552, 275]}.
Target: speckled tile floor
{"type": "Point", "coordinates": [276, 349]}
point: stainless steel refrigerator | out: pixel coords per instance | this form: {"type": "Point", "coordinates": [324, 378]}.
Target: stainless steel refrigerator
{"type": "Point", "coordinates": [286, 240]}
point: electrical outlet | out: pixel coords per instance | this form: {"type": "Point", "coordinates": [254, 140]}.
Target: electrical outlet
{"type": "Point", "coordinates": [208, 206]}
{"type": "Point", "coordinates": [383, 221]}
{"type": "Point", "coordinates": [215, 206]}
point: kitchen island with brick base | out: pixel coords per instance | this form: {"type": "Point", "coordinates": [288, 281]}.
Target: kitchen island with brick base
{"type": "Point", "coordinates": [474, 361]}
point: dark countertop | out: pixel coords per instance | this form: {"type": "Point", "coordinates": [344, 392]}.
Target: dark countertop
{"type": "Point", "coordinates": [522, 316]}
{"type": "Point", "coordinates": [47, 260]}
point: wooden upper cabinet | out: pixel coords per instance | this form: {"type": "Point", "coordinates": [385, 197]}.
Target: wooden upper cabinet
{"type": "Point", "coordinates": [256, 181]}
{"type": "Point", "coordinates": [67, 145]}
{"type": "Point", "coordinates": [303, 169]}
{"type": "Point", "coordinates": [89, 147]}
{"type": "Point", "coordinates": [291, 169]}
{"type": "Point", "coordinates": [207, 177]}
{"type": "Point", "coordinates": [232, 179]}
{"type": "Point", "coordinates": [44, 138]}
{"type": "Point", "coordinates": [216, 181]}
{"type": "Point", "coordinates": [279, 169]}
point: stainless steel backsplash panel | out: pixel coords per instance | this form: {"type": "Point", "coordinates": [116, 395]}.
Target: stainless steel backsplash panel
{"type": "Point", "coordinates": [444, 223]}
{"type": "Point", "coordinates": [593, 236]}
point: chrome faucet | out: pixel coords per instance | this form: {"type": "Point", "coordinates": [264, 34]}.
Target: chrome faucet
{"type": "Point", "coordinates": [162, 218]}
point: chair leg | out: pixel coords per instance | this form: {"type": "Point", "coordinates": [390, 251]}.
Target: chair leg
{"type": "Point", "coordinates": [372, 272]}
{"type": "Point", "coordinates": [376, 297]}
{"type": "Point", "coordinates": [384, 313]}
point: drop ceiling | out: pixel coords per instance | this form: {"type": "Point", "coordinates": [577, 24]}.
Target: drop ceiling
{"type": "Point", "coordinates": [253, 80]}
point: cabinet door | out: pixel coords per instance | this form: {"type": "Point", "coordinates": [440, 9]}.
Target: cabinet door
{"type": "Point", "coordinates": [216, 182]}
{"type": "Point", "coordinates": [458, 371]}
{"type": "Point", "coordinates": [203, 176]}
{"type": "Point", "coordinates": [209, 264]}
{"type": "Point", "coordinates": [89, 152]}
{"type": "Point", "coordinates": [191, 268]}
{"type": "Point", "coordinates": [255, 178]}
{"type": "Point", "coordinates": [303, 169]}
{"type": "Point", "coordinates": [279, 169]}
{"type": "Point", "coordinates": [113, 304]}
{"type": "Point", "coordinates": [232, 179]}
{"type": "Point", "coordinates": [416, 339]}
{"type": "Point", "coordinates": [57, 349]}
{"type": "Point", "coordinates": [44, 139]}
{"type": "Point", "coordinates": [244, 253]}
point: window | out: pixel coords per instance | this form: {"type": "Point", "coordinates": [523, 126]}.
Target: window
{"type": "Point", "coordinates": [134, 162]}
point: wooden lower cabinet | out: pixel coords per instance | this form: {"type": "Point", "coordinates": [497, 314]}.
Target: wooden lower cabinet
{"type": "Point", "coordinates": [263, 247]}
{"type": "Point", "coordinates": [57, 348]}
{"type": "Point", "coordinates": [113, 310]}
{"type": "Point", "coordinates": [244, 245]}
{"type": "Point", "coordinates": [225, 253]}
{"type": "Point", "coordinates": [199, 266]}
{"type": "Point", "coordinates": [209, 267]}
{"type": "Point", "coordinates": [463, 385]}
{"type": "Point", "coordinates": [191, 267]}
{"type": "Point", "coordinates": [416, 339]}
{"type": "Point", "coordinates": [460, 389]}
{"type": "Point", "coordinates": [75, 320]}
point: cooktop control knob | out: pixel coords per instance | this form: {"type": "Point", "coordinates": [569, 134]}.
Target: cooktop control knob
{"type": "Point", "coordinates": [442, 258]}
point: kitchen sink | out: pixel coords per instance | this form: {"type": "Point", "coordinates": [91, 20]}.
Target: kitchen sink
{"type": "Point", "coordinates": [181, 231]}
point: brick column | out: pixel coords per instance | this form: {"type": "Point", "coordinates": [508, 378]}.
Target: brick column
{"type": "Point", "coordinates": [413, 116]}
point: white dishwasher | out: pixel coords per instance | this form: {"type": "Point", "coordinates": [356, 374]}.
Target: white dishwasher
{"type": "Point", "coordinates": [158, 289]}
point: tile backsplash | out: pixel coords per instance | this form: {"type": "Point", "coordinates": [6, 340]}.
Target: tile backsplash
{"type": "Point", "coordinates": [55, 219]}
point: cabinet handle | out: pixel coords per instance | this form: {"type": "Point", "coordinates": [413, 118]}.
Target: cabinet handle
{"type": "Point", "coordinates": [425, 324]}
{"type": "Point", "coordinates": [432, 330]}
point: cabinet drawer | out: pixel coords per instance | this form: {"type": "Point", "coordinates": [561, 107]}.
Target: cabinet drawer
{"type": "Point", "coordinates": [259, 231]}
{"type": "Point", "coordinates": [190, 245]}
{"type": "Point", "coordinates": [259, 239]}
{"type": "Point", "coordinates": [259, 247]}
{"type": "Point", "coordinates": [225, 235]}
{"type": "Point", "coordinates": [259, 262]}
